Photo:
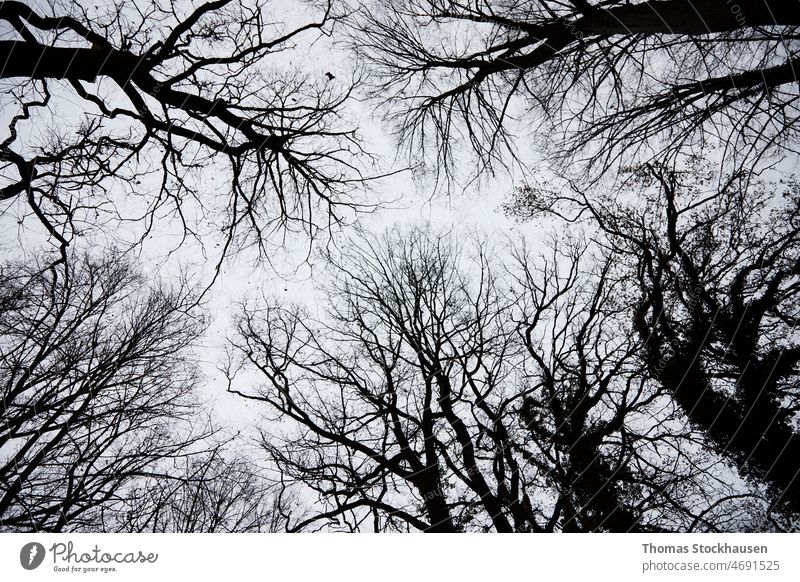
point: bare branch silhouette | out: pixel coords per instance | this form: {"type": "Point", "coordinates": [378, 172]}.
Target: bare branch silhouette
{"type": "Point", "coordinates": [600, 81]}
{"type": "Point", "coordinates": [191, 112]}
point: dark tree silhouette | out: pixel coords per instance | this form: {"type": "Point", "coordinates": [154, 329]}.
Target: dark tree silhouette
{"type": "Point", "coordinates": [97, 388]}
{"type": "Point", "coordinates": [716, 267]}
{"type": "Point", "coordinates": [581, 362]}
{"type": "Point", "coordinates": [379, 392]}
{"type": "Point", "coordinates": [601, 79]}
{"type": "Point", "coordinates": [211, 493]}
{"type": "Point", "coordinates": [162, 99]}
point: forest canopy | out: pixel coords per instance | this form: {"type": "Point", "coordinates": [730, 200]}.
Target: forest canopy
{"type": "Point", "coordinates": [234, 296]}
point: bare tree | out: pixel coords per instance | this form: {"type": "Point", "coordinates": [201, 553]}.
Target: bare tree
{"type": "Point", "coordinates": [162, 99]}
{"type": "Point", "coordinates": [379, 393]}
{"type": "Point", "coordinates": [716, 267]}
{"type": "Point", "coordinates": [98, 388]}
{"type": "Point", "coordinates": [205, 493]}
{"type": "Point", "coordinates": [602, 79]}
{"type": "Point", "coordinates": [584, 386]}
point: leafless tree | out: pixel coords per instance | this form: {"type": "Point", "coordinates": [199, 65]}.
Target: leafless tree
{"type": "Point", "coordinates": [581, 365]}
{"type": "Point", "coordinates": [433, 393]}
{"type": "Point", "coordinates": [157, 100]}
{"type": "Point", "coordinates": [205, 494]}
{"type": "Point", "coordinates": [599, 80]}
{"type": "Point", "coordinates": [379, 393]}
{"type": "Point", "coordinates": [716, 266]}
{"type": "Point", "coordinates": [98, 388]}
